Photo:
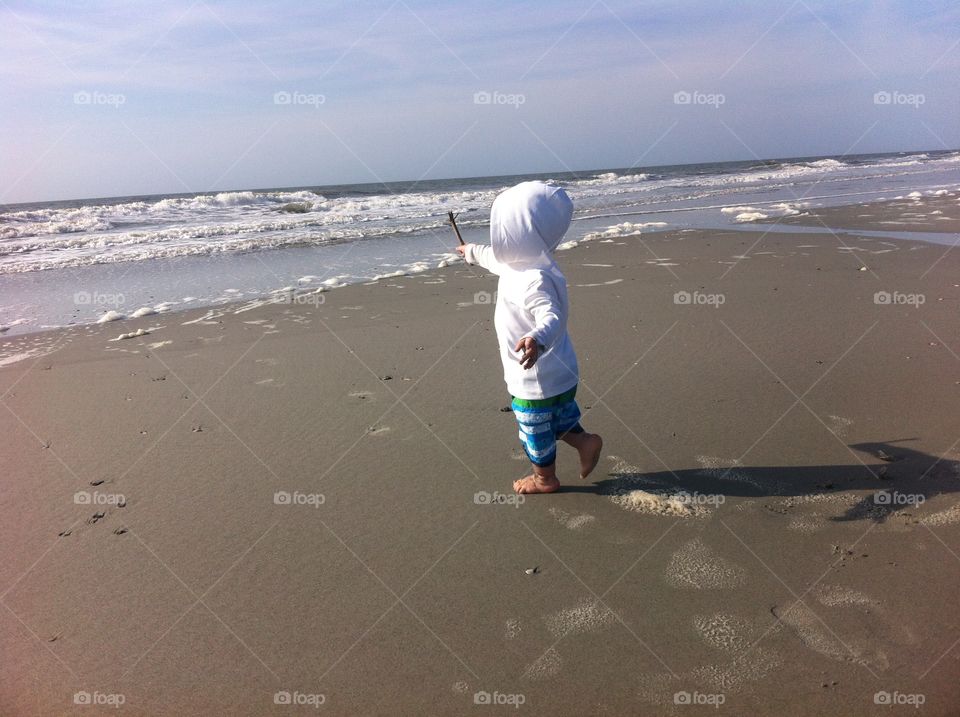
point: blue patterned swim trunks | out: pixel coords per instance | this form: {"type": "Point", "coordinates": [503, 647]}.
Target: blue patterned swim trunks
{"type": "Point", "coordinates": [543, 421]}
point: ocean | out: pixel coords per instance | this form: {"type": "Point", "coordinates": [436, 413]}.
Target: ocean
{"type": "Point", "coordinates": [81, 261]}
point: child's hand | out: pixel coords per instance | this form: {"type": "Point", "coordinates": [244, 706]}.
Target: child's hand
{"type": "Point", "coordinates": [531, 351]}
{"type": "Point", "coordinates": [460, 249]}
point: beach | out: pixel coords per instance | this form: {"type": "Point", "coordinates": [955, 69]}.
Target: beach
{"type": "Point", "coordinates": [305, 507]}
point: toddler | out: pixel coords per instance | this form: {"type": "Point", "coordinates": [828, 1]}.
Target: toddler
{"type": "Point", "coordinates": [527, 223]}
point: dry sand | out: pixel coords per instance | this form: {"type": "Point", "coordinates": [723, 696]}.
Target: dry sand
{"type": "Point", "coordinates": [285, 501]}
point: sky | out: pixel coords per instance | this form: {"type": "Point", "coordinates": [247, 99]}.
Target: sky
{"type": "Point", "coordinates": [120, 97]}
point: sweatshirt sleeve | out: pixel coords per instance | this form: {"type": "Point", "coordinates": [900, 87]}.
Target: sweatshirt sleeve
{"type": "Point", "coordinates": [481, 254]}
{"type": "Point", "coordinates": [542, 301]}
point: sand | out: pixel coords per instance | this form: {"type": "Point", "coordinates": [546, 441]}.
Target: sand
{"type": "Point", "coordinates": [310, 504]}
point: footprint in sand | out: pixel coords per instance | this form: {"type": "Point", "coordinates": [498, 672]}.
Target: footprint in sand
{"type": "Point", "coordinates": [839, 596]}
{"type": "Point", "coordinates": [839, 425]}
{"type": "Point", "coordinates": [817, 636]}
{"type": "Point", "coordinates": [588, 615]}
{"type": "Point", "coordinates": [723, 632]}
{"type": "Point", "coordinates": [696, 566]}
{"type": "Point", "coordinates": [571, 521]}
{"type": "Point", "coordinates": [633, 490]}
{"type": "Point", "coordinates": [728, 634]}
{"type": "Point", "coordinates": [944, 517]}
{"type": "Point", "coordinates": [749, 667]}
{"type": "Point", "coordinates": [727, 469]}
{"type": "Point", "coordinates": [546, 666]}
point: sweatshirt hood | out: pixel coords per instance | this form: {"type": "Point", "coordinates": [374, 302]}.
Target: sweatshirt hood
{"type": "Point", "coordinates": [527, 223]}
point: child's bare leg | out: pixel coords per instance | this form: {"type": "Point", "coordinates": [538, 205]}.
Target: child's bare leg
{"type": "Point", "coordinates": [542, 480]}
{"type": "Point", "coordinates": [589, 446]}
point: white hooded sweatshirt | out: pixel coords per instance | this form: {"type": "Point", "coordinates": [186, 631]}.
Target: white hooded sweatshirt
{"type": "Point", "coordinates": [527, 223]}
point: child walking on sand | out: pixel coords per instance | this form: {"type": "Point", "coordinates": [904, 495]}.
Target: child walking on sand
{"type": "Point", "coordinates": [527, 223]}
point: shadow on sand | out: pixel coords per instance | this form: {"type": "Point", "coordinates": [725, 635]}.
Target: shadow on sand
{"type": "Point", "coordinates": [893, 473]}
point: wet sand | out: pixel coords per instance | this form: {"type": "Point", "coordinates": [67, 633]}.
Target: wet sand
{"type": "Point", "coordinates": [935, 210]}
{"type": "Point", "coordinates": [312, 500]}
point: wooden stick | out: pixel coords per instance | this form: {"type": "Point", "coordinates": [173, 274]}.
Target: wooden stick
{"type": "Point", "coordinates": [453, 223]}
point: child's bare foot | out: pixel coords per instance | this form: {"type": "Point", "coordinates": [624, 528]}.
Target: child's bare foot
{"type": "Point", "coordinates": [589, 449]}
{"type": "Point", "coordinates": [536, 484]}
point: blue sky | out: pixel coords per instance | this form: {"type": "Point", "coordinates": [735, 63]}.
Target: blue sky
{"type": "Point", "coordinates": [124, 98]}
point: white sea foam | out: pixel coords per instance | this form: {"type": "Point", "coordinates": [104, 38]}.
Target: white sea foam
{"type": "Point", "coordinates": [143, 311]}
{"type": "Point", "coordinates": [58, 235]}
{"type": "Point", "coordinates": [110, 316]}
{"type": "Point", "coordinates": [749, 216]}
{"type": "Point", "coordinates": [624, 229]}
{"type": "Point", "coordinates": [152, 230]}
{"type": "Point", "coordinates": [610, 178]}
